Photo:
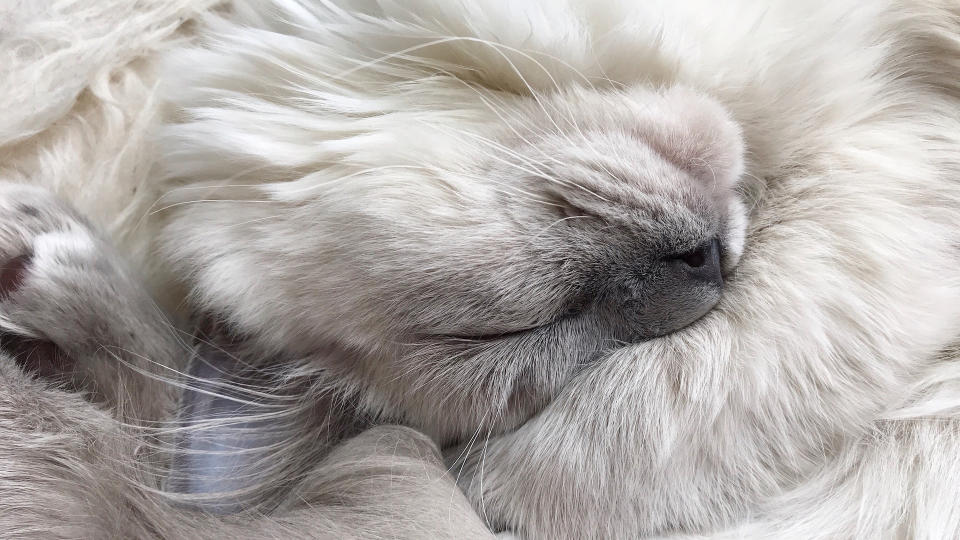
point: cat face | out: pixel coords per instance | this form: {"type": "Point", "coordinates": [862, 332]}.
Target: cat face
{"type": "Point", "coordinates": [615, 225]}
{"type": "Point", "coordinates": [459, 282]}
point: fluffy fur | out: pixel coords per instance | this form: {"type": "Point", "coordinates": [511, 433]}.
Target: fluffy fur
{"type": "Point", "coordinates": [818, 400]}
{"type": "Point", "coordinates": [100, 467]}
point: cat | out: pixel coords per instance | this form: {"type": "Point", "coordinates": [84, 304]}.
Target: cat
{"type": "Point", "coordinates": [484, 220]}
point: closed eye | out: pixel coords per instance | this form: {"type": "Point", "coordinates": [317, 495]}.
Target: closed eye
{"type": "Point", "coordinates": [573, 309]}
{"type": "Point", "coordinates": [494, 336]}
{"type": "Point", "coordinates": [565, 209]}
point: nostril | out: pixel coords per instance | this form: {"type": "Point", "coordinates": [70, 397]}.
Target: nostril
{"type": "Point", "coordinates": [706, 253]}
{"type": "Point", "coordinates": [702, 263]}
{"type": "Point", "coordinates": [695, 258]}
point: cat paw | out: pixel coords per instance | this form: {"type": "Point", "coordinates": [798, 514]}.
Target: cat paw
{"type": "Point", "coordinates": [60, 284]}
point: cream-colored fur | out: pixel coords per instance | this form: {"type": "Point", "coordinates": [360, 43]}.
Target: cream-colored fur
{"type": "Point", "coordinates": [89, 437]}
{"type": "Point", "coordinates": [818, 400]}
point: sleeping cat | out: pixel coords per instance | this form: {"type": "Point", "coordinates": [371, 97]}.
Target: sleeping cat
{"type": "Point", "coordinates": [472, 315]}
{"type": "Point", "coordinates": [509, 225]}
{"type": "Point", "coordinates": [460, 294]}
{"type": "Point", "coordinates": [475, 278]}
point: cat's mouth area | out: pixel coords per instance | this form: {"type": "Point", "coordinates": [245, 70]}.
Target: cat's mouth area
{"type": "Point", "coordinates": [678, 291]}
{"type": "Point", "coordinates": [672, 323]}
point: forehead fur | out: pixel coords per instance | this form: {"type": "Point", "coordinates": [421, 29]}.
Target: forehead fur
{"type": "Point", "coordinates": [415, 131]}
{"type": "Point", "coordinates": [402, 95]}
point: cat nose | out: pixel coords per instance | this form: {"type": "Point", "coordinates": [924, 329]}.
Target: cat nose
{"type": "Point", "coordinates": [703, 263]}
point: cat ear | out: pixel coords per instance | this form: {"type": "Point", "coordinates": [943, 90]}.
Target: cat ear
{"type": "Point", "coordinates": [696, 134]}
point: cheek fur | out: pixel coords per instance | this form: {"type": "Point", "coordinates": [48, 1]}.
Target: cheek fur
{"type": "Point", "coordinates": [734, 233]}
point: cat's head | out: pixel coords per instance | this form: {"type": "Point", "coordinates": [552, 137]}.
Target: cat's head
{"type": "Point", "coordinates": [458, 258]}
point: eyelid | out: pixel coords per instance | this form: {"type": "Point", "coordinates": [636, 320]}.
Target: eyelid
{"type": "Point", "coordinates": [576, 305]}
{"type": "Point", "coordinates": [565, 208]}
{"type": "Point", "coordinates": [493, 336]}
{"type": "Point", "coordinates": [572, 309]}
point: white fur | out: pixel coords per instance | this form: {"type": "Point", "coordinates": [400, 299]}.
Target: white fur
{"type": "Point", "coordinates": [819, 400]}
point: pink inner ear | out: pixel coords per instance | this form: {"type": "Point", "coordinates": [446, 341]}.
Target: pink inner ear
{"type": "Point", "coordinates": [12, 274]}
